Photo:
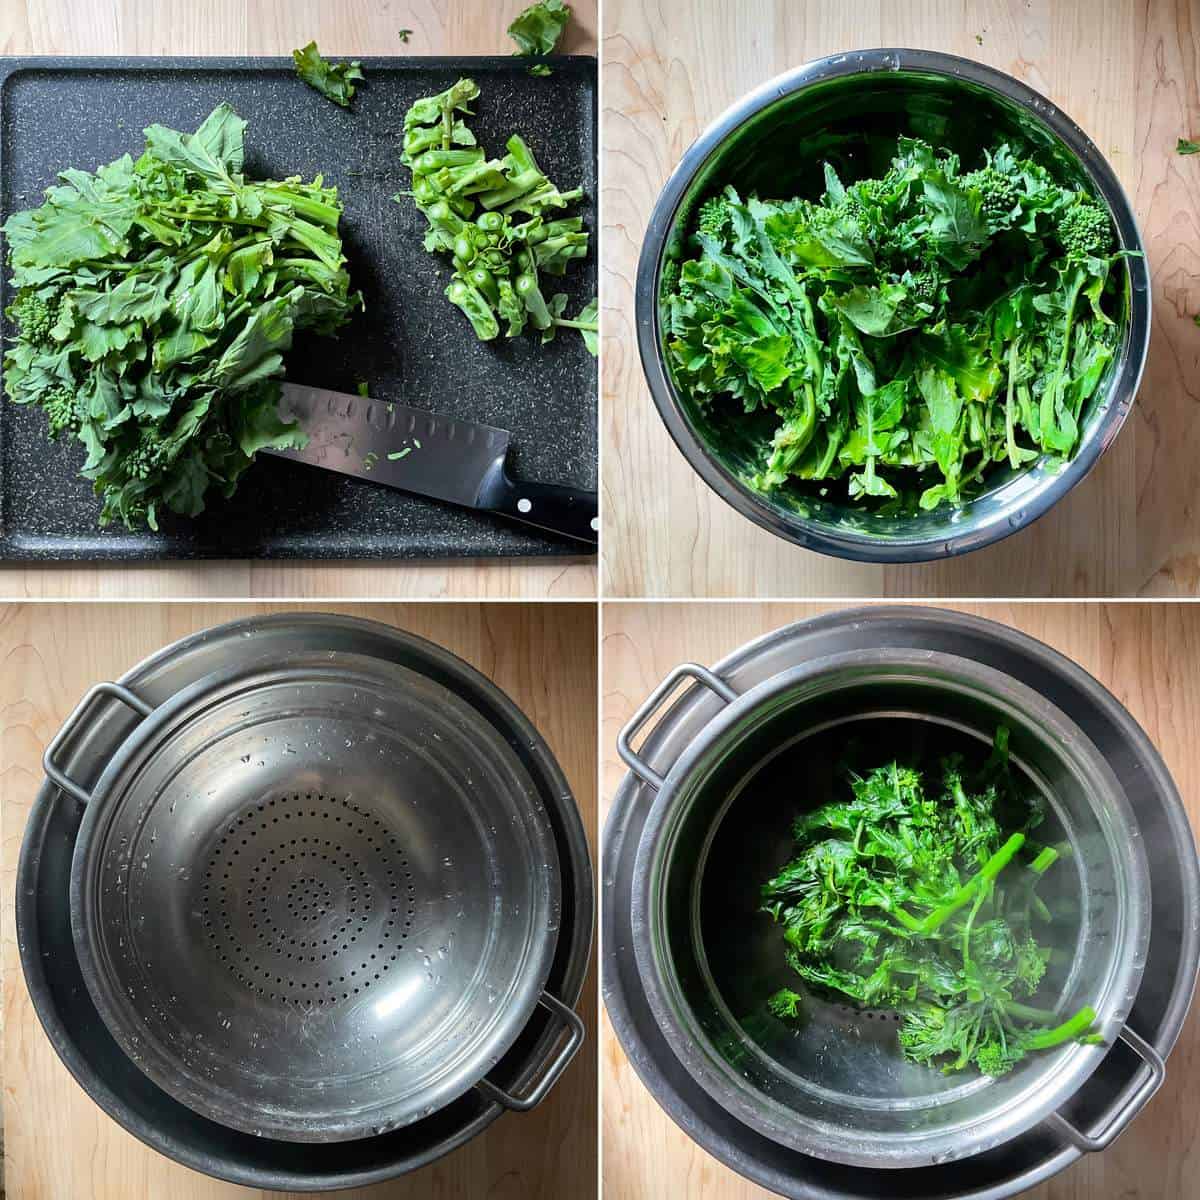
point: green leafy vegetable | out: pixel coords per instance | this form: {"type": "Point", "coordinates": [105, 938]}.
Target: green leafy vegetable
{"type": "Point", "coordinates": [905, 338]}
{"type": "Point", "coordinates": [335, 81]}
{"type": "Point", "coordinates": [538, 29]}
{"type": "Point", "coordinates": [405, 34]}
{"type": "Point", "coordinates": [1184, 146]}
{"type": "Point", "coordinates": [154, 301]}
{"type": "Point", "coordinates": [495, 218]}
{"type": "Point", "coordinates": [925, 902]}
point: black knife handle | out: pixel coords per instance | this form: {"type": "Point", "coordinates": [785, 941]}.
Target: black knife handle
{"type": "Point", "coordinates": [571, 512]}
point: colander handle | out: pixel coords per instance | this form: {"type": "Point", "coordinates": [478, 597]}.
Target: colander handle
{"type": "Point", "coordinates": [71, 725]}
{"type": "Point", "coordinates": [1155, 1072]}
{"type": "Point", "coordinates": [575, 1035]}
{"type": "Point", "coordinates": [638, 765]}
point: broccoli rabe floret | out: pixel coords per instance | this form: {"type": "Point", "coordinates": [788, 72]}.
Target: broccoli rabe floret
{"type": "Point", "coordinates": [36, 314]}
{"type": "Point", "coordinates": [713, 218]}
{"type": "Point", "coordinates": [924, 287]}
{"type": "Point", "coordinates": [1031, 964]}
{"type": "Point", "coordinates": [1085, 230]}
{"type": "Point", "coordinates": [998, 1058]}
{"type": "Point", "coordinates": [61, 405]}
{"type": "Point", "coordinates": [998, 192]}
{"type": "Point", "coordinates": [864, 195]}
{"type": "Point", "coordinates": [146, 457]}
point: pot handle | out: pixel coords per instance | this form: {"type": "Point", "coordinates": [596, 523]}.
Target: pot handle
{"type": "Point", "coordinates": [575, 1035]}
{"type": "Point", "coordinates": [71, 725]}
{"type": "Point", "coordinates": [1156, 1071]}
{"type": "Point", "coordinates": [700, 674]}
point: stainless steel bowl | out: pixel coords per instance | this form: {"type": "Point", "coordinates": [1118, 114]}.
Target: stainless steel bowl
{"type": "Point", "coordinates": [753, 144]}
{"type": "Point", "coordinates": [837, 1086]}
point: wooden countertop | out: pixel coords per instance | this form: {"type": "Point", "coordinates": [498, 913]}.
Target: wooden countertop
{"type": "Point", "coordinates": [1128, 73]}
{"type": "Point", "coordinates": [60, 1145]}
{"type": "Point", "coordinates": [344, 28]}
{"type": "Point", "coordinates": [1147, 655]}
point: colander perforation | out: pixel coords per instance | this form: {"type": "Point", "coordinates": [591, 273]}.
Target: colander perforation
{"type": "Point", "coordinates": [308, 899]}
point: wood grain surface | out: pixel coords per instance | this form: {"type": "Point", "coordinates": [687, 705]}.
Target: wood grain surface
{"type": "Point", "coordinates": [342, 28]}
{"type": "Point", "coordinates": [60, 1145]}
{"type": "Point", "coordinates": [1148, 655]}
{"type": "Point", "coordinates": [1127, 72]}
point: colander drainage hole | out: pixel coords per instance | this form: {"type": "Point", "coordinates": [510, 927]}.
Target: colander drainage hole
{"type": "Point", "coordinates": [307, 882]}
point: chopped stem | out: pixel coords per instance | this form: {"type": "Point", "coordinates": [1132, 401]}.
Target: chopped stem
{"type": "Point", "coordinates": [1045, 860]}
{"type": "Point", "coordinates": [990, 869]}
{"type": "Point", "coordinates": [1070, 1029]}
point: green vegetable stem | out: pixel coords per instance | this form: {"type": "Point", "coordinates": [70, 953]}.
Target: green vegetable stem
{"type": "Point", "coordinates": [494, 217]}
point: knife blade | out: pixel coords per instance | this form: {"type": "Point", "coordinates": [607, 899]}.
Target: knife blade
{"type": "Point", "coordinates": [460, 462]}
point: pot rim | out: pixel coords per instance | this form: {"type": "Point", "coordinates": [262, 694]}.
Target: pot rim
{"type": "Point", "coordinates": [1036, 1102]}
{"type": "Point", "coordinates": [575, 939]}
{"type": "Point", "coordinates": [1017, 511]}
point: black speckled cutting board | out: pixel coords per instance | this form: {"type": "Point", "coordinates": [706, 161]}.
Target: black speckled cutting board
{"type": "Point", "coordinates": [410, 344]}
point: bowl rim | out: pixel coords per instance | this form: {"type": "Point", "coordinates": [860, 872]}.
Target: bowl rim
{"type": "Point", "coordinates": [1018, 512]}
{"type": "Point", "coordinates": [1021, 1113]}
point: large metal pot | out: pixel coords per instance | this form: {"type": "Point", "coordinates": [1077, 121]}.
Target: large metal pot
{"type": "Point", "coordinates": [64, 1002]}
{"type": "Point", "coordinates": [753, 144]}
{"type": "Point", "coordinates": [1125, 1077]}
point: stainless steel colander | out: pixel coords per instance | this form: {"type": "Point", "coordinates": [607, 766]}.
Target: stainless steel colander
{"type": "Point", "coordinates": [835, 1085]}
{"type": "Point", "coordinates": [315, 898]}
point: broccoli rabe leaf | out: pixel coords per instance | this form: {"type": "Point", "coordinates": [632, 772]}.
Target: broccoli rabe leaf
{"type": "Point", "coordinates": [1186, 146]}
{"type": "Point", "coordinates": [335, 81]}
{"type": "Point", "coordinates": [906, 339]}
{"type": "Point", "coordinates": [538, 29]}
{"type": "Point", "coordinates": [154, 302]}
{"type": "Point", "coordinates": [918, 893]}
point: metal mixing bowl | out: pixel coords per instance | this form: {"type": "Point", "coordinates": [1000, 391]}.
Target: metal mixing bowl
{"type": "Point", "coordinates": [835, 1085]}
{"type": "Point", "coordinates": [957, 103]}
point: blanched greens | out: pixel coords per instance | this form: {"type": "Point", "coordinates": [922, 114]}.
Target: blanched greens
{"type": "Point", "coordinates": [154, 300]}
{"type": "Point", "coordinates": [906, 336]}
{"type": "Point", "coordinates": [920, 895]}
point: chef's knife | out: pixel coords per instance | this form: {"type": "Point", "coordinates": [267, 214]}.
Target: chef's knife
{"type": "Point", "coordinates": [418, 451]}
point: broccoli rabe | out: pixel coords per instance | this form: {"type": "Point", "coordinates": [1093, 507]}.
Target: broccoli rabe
{"type": "Point", "coordinates": [36, 312]}
{"type": "Point", "coordinates": [154, 300]}
{"type": "Point", "coordinates": [905, 340]}
{"type": "Point", "coordinates": [1085, 231]}
{"type": "Point", "coordinates": [713, 217]}
{"type": "Point", "coordinates": [61, 406]}
{"type": "Point", "coordinates": [998, 191]}
{"type": "Point", "coordinates": [919, 900]}
{"type": "Point", "coordinates": [495, 218]}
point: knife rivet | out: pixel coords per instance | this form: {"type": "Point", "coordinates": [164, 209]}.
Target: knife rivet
{"type": "Point", "coordinates": [524, 505]}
